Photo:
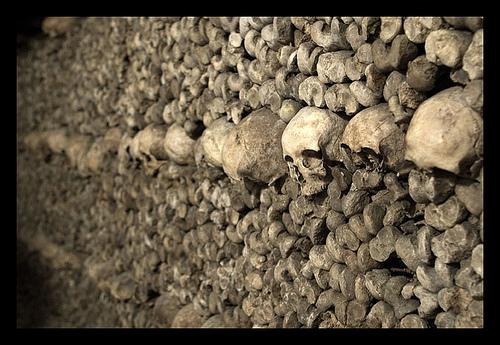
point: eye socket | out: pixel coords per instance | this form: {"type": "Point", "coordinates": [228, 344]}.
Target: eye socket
{"type": "Point", "coordinates": [312, 154]}
{"type": "Point", "coordinates": [312, 159]}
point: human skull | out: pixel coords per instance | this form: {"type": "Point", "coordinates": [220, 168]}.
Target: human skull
{"type": "Point", "coordinates": [57, 140]}
{"type": "Point", "coordinates": [372, 133]}
{"type": "Point", "coordinates": [178, 145]}
{"type": "Point", "coordinates": [446, 133]}
{"type": "Point", "coordinates": [76, 148]}
{"type": "Point", "coordinates": [309, 138]}
{"type": "Point", "coordinates": [252, 150]}
{"type": "Point", "coordinates": [212, 140]}
{"type": "Point", "coordinates": [147, 146]}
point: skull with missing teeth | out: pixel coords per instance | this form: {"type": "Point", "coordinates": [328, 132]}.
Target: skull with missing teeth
{"type": "Point", "coordinates": [310, 138]}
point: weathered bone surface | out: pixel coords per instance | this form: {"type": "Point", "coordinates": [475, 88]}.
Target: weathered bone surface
{"type": "Point", "coordinates": [277, 172]}
{"type": "Point", "coordinates": [309, 138]}
{"type": "Point", "coordinates": [213, 139]}
{"type": "Point", "coordinates": [374, 128]}
{"type": "Point", "coordinates": [445, 133]}
{"type": "Point", "coordinates": [252, 148]}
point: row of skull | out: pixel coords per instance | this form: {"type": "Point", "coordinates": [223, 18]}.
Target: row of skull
{"type": "Point", "coordinates": [444, 133]}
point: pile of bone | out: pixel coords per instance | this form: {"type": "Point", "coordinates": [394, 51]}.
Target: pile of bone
{"type": "Point", "coordinates": [352, 153]}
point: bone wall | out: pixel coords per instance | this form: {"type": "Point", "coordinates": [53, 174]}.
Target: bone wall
{"type": "Point", "coordinates": [251, 172]}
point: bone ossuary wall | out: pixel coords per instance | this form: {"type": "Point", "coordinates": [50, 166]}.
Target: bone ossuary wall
{"type": "Point", "coordinates": [251, 172]}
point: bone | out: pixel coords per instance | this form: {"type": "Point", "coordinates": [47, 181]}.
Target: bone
{"type": "Point", "coordinates": [473, 93]}
{"type": "Point", "coordinates": [424, 187]}
{"type": "Point", "coordinates": [336, 251]}
{"type": "Point", "coordinates": [320, 257]}
{"type": "Point", "coordinates": [340, 98]}
{"type": "Point", "coordinates": [357, 226]}
{"type": "Point", "coordinates": [477, 260]}
{"type": "Point", "coordinates": [445, 320]}
{"type": "Point", "coordinates": [329, 36]}
{"type": "Point", "coordinates": [312, 91]}
{"type": "Point", "coordinates": [396, 57]}
{"type": "Point", "coordinates": [428, 278]}
{"type": "Point", "coordinates": [307, 57]}
{"type": "Point", "coordinates": [334, 220]}
{"type": "Point", "coordinates": [418, 28]}
{"type": "Point", "coordinates": [473, 57]}
{"type": "Point", "coordinates": [413, 321]}
{"type": "Point", "coordinates": [381, 315]}
{"type": "Point", "coordinates": [363, 94]}
{"type": "Point", "coordinates": [331, 68]}
{"type": "Point", "coordinates": [55, 26]}
{"type": "Point", "coordinates": [392, 84]}
{"type": "Point", "coordinates": [396, 213]}
{"type": "Point", "coordinates": [406, 249]}
{"type": "Point", "coordinates": [366, 180]}
{"type": "Point", "coordinates": [364, 260]}
{"type": "Point", "coordinates": [445, 272]}
{"type": "Point", "coordinates": [428, 302]}
{"type": "Point", "coordinates": [346, 283]}
{"type": "Point", "coordinates": [424, 237]}
{"type": "Point", "coordinates": [383, 245]}
{"type": "Point", "coordinates": [386, 138]}
{"type": "Point", "coordinates": [360, 291]}
{"type": "Point", "coordinates": [289, 109]}
{"type": "Point", "coordinates": [327, 246]}
{"type": "Point", "coordinates": [456, 243]}
{"type": "Point", "coordinates": [457, 148]}
{"type": "Point", "coordinates": [422, 74]}
{"type": "Point", "coordinates": [445, 215]}
{"type": "Point", "coordinates": [390, 27]}
{"type": "Point", "coordinates": [255, 131]}
{"type": "Point", "coordinates": [346, 238]}
{"type": "Point", "coordinates": [354, 36]}
{"type": "Point", "coordinates": [375, 80]}
{"type": "Point", "coordinates": [318, 131]}
{"type": "Point", "coordinates": [314, 228]}
{"type": "Point", "coordinates": [392, 295]}
{"type": "Point", "coordinates": [213, 139]}
{"type": "Point", "coordinates": [454, 299]}
{"type": "Point", "coordinates": [466, 278]}
{"type": "Point", "coordinates": [450, 54]}
{"type": "Point", "coordinates": [322, 278]}
{"type": "Point", "coordinates": [354, 69]}
{"type": "Point", "coordinates": [354, 202]}
{"type": "Point", "coordinates": [471, 23]}
{"type": "Point", "coordinates": [327, 299]}
{"type": "Point", "coordinates": [269, 96]}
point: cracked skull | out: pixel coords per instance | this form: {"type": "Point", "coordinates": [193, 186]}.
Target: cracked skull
{"type": "Point", "coordinates": [310, 138]}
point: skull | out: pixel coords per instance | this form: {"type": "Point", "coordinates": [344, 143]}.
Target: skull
{"type": "Point", "coordinates": [76, 148]}
{"type": "Point", "coordinates": [147, 146]}
{"type": "Point", "coordinates": [178, 145]}
{"type": "Point", "coordinates": [309, 138]}
{"type": "Point", "coordinates": [252, 150]}
{"type": "Point", "coordinates": [372, 133]}
{"type": "Point", "coordinates": [446, 133]}
{"type": "Point", "coordinates": [212, 140]}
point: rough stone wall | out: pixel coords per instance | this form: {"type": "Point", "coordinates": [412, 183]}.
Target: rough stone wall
{"type": "Point", "coordinates": [251, 172]}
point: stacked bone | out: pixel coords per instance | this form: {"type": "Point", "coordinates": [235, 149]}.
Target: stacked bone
{"type": "Point", "coordinates": [377, 222]}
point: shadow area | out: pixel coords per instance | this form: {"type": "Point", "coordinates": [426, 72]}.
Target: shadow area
{"type": "Point", "coordinates": [33, 295]}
